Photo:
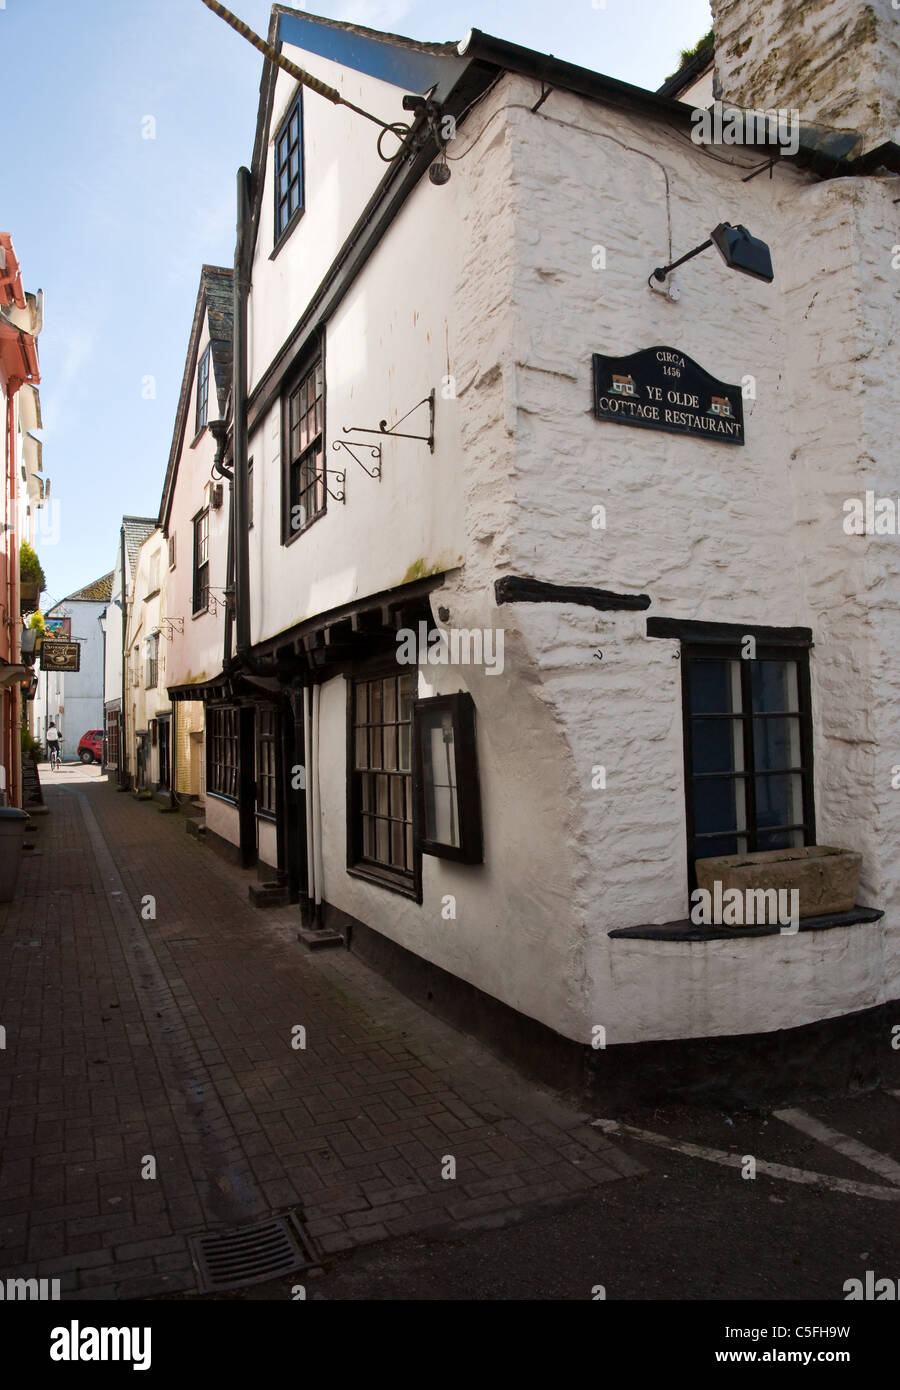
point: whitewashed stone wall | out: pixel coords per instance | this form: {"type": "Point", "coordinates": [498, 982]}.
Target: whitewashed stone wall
{"type": "Point", "coordinates": [836, 61]}
{"type": "Point", "coordinates": [725, 534]}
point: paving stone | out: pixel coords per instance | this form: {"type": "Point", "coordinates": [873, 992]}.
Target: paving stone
{"type": "Point", "coordinates": [202, 1076]}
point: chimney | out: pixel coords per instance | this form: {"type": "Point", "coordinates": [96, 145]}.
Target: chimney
{"type": "Point", "coordinates": [836, 62]}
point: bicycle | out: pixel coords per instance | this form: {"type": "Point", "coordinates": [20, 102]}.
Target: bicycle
{"type": "Point", "coordinates": [55, 755]}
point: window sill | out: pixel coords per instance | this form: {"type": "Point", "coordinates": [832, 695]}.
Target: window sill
{"type": "Point", "coordinates": [288, 538]}
{"type": "Point", "coordinates": [218, 796]}
{"type": "Point", "coordinates": [383, 878]}
{"type": "Point", "coordinates": [685, 930]}
{"type": "Point", "coordinates": [269, 816]}
{"type": "Point", "coordinates": [199, 613]}
{"type": "Point", "coordinates": [286, 234]}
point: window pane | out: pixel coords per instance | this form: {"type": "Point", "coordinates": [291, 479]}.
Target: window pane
{"type": "Point", "coordinates": [439, 761]}
{"type": "Point", "coordinates": [717, 745]}
{"type": "Point", "coordinates": [381, 841]}
{"type": "Point", "coordinates": [721, 844]}
{"type": "Point", "coordinates": [367, 799]}
{"type": "Point", "coordinates": [361, 761]}
{"type": "Point", "coordinates": [779, 800]}
{"type": "Point", "coordinates": [361, 703]}
{"type": "Point", "coordinates": [375, 705]}
{"type": "Point", "coordinates": [714, 687]}
{"type": "Point", "coordinates": [776, 743]}
{"type": "Point", "coordinates": [397, 807]}
{"type": "Point", "coordinates": [390, 701]}
{"type": "Point", "coordinates": [375, 748]}
{"type": "Point", "coordinates": [390, 748]}
{"type": "Point", "coordinates": [381, 795]}
{"type": "Point", "coordinates": [403, 752]}
{"type": "Point", "coordinates": [397, 839]}
{"type": "Point", "coordinates": [369, 837]}
{"type": "Point", "coordinates": [406, 694]}
{"type": "Point", "coordinates": [773, 685]}
{"type": "Point", "coordinates": [719, 805]}
{"type": "Point", "coordinates": [781, 839]}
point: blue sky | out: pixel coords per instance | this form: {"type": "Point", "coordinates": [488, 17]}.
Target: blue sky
{"type": "Point", "coordinates": [115, 227]}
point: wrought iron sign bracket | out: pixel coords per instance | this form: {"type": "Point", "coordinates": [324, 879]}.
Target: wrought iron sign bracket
{"type": "Point", "coordinates": [392, 430]}
{"type": "Point", "coordinates": [342, 479]}
{"type": "Point", "coordinates": [375, 452]}
{"type": "Point", "coordinates": [169, 626]}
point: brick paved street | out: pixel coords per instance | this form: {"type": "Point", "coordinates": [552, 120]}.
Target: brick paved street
{"type": "Point", "coordinates": [130, 1037]}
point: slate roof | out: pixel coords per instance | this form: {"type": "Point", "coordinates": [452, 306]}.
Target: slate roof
{"type": "Point", "coordinates": [137, 529]}
{"type": "Point", "coordinates": [98, 591]}
{"type": "Point", "coordinates": [449, 49]}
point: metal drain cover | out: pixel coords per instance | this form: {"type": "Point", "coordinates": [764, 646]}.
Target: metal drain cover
{"type": "Point", "coordinates": [251, 1254]}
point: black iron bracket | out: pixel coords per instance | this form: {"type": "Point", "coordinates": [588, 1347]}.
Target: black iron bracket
{"type": "Point", "coordinates": [375, 451]}
{"type": "Point", "coordinates": [342, 479]}
{"type": "Point", "coordinates": [393, 432]}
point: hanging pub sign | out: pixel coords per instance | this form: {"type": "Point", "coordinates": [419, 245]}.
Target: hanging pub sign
{"type": "Point", "coordinates": [60, 656]}
{"type": "Point", "coordinates": [661, 388]}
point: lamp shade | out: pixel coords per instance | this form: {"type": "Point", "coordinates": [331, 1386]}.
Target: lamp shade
{"type": "Point", "coordinates": [741, 251]}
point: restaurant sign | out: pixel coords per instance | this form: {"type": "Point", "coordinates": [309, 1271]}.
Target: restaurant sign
{"type": "Point", "coordinates": [60, 656]}
{"type": "Point", "coordinates": [661, 388]}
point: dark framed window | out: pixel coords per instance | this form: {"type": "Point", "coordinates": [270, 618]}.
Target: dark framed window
{"type": "Point", "coordinates": [289, 170]}
{"type": "Point", "coordinates": [201, 561]}
{"type": "Point", "coordinates": [266, 743]}
{"type": "Point", "coordinates": [202, 391]}
{"type": "Point", "coordinates": [249, 493]}
{"type": "Point", "coordinates": [172, 551]}
{"type": "Point", "coordinates": [222, 756]}
{"type": "Point", "coordinates": [380, 841]}
{"type": "Point", "coordinates": [304, 436]}
{"type": "Point", "coordinates": [152, 671]}
{"type": "Point", "coordinates": [112, 738]}
{"type": "Point", "coordinates": [448, 820]}
{"type": "Point", "coordinates": [748, 749]}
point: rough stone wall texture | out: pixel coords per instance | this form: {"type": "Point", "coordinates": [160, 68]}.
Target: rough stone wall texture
{"type": "Point", "coordinates": [749, 534]}
{"type": "Point", "coordinates": [836, 61]}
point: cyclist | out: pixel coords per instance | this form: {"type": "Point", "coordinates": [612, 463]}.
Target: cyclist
{"type": "Point", "coordinates": [54, 742]}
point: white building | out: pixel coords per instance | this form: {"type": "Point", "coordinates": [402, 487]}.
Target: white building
{"type": "Point", "coordinates": [146, 648]}
{"type": "Point", "coordinates": [73, 700]}
{"type": "Point", "coordinates": [118, 744]}
{"type": "Point", "coordinates": [509, 828]}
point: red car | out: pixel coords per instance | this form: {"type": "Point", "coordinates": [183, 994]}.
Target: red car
{"type": "Point", "coordinates": [90, 746]}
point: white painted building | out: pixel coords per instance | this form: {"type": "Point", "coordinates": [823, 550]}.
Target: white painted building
{"type": "Point", "coordinates": [512, 837]}
{"type": "Point", "coordinates": [146, 651]}
{"type": "Point", "coordinates": [73, 700]}
{"type": "Point", "coordinates": [119, 740]}
{"type": "Point", "coordinates": [194, 519]}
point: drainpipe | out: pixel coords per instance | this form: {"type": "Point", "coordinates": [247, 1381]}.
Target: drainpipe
{"type": "Point", "coordinates": [123, 723]}
{"type": "Point", "coordinates": [310, 803]}
{"type": "Point", "coordinates": [317, 800]}
{"type": "Point", "coordinates": [239, 399]}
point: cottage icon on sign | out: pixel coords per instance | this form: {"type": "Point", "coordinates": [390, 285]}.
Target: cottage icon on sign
{"type": "Point", "coordinates": [623, 386]}
{"type": "Point", "coordinates": [721, 405]}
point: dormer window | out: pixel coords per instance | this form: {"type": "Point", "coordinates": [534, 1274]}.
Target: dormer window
{"type": "Point", "coordinates": [202, 391]}
{"type": "Point", "coordinates": [289, 171]}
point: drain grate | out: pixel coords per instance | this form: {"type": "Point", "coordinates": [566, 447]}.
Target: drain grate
{"type": "Point", "coordinates": [251, 1254]}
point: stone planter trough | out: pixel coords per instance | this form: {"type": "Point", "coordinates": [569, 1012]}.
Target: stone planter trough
{"type": "Point", "coordinates": [826, 878]}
